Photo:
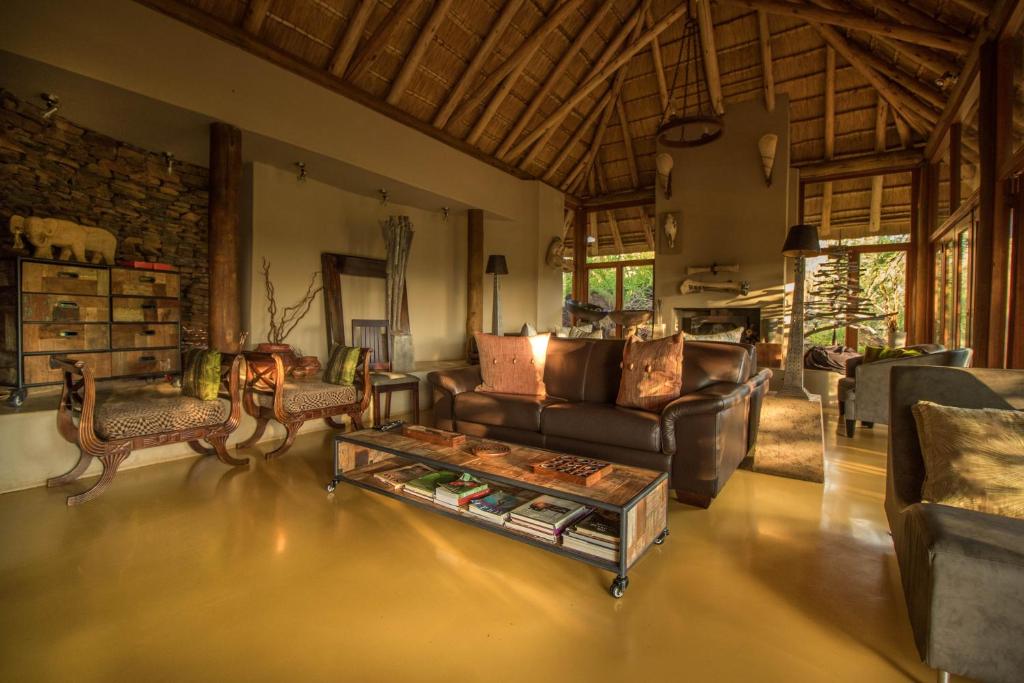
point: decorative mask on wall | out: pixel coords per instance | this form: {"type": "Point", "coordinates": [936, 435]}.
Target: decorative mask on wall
{"type": "Point", "coordinates": [664, 163]}
{"type": "Point", "coordinates": [767, 146]}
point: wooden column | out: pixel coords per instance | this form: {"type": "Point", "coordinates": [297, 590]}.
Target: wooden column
{"type": "Point", "coordinates": [579, 248]}
{"type": "Point", "coordinates": [1001, 98]}
{"type": "Point", "coordinates": [919, 260]}
{"type": "Point", "coordinates": [225, 218]}
{"type": "Point", "coordinates": [474, 276]}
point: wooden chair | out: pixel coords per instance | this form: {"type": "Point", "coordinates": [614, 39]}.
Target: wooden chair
{"type": "Point", "coordinates": [109, 429]}
{"type": "Point", "coordinates": [374, 334]}
{"type": "Point", "coordinates": [270, 394]}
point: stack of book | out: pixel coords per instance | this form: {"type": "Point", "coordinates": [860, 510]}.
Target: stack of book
{"type": "Point", "coordinates": [496, 506]}
{"type": "Point", "coordinates": [424, 487]}
{"type": "Point", "coordinates": [398, 477]}
{"type": "Point", "coordinates": [545, 517]}
{"type": "Point", "coordinates": [456, 494]}
{"type": "Point", "coordinates": [597, 534]}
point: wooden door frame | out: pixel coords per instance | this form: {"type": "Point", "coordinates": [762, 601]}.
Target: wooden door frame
{"type": "Point", "coordinates": [333, 267]}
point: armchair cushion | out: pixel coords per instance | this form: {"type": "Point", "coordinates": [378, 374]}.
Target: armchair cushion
{"type": "Point", "coordinates": [201, 375]}
{"type": "Point", "coordinates": [142, 416]}
{"type": "Point", "coordinates": [341, 368]}
{"type": "Point", "coordinates": [299, 395]}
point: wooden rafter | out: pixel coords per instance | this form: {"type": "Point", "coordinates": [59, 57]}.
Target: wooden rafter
{"type": "Point", "coordinates": [419, 48]}
{"type": "Point", "coordinates": [553, 77]}
{"type": "Point", "coordinates": [922, 56]}
{"type": "Point", "coordinates": [812, 14]}
{"type": "Point", "coordinates": [577, 136]}
{"type": "Point", "coordinates": [659, 69]}
{"type": "Point", "coordinates": [913, 86]}
{"type": "Point", "coordinates": [586, 88]}
{"type": "Point", "coordinates": [567, 221]}
{"type": "Point", "coordinates": [607, 54]}
{"type": "Point", "coordinates": [908, 14]}
{"type": "Point", "coordinates": [830, 134]}
{"type": "Point", "coordinates": [645, 225]}
{"type": "Point", "coordinates": [255, 15]}
{"type": "Point", "coordinates": [764, 36]}
{"type": "Point", "coordinates": [902, 129]}
{"type": "Point", "coordinates": [456, 94]}
{"type": "Point", "coordinates": [592, 233]}
{"type": "Point", "coordinates": [979, 7]}
{"type": "Point", "coordinates": [374, 48]}
{"type": "Point", "coordinates": [878, 181]}
{"type": "Point", "coordinates": [861, 165]}
{"type": "Point", "coordinates": [707, 38]}
{"type": "Point", "coordinates": [499, 97]}
{"type": "Point", "coordinates": [627, 142]}
{"type": "Point", "coordinates": [350, 39]}
{"type": "Point", "coordinates": [613, 225]}
{"type": "Point", "coordinates": [521, 54]}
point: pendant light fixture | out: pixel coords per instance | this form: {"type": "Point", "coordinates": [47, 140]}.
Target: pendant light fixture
{"type": "Point", "coordinates": [690, 129]}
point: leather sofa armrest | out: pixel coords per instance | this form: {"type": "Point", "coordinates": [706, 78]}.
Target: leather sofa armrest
{"type": "Point", "coordinates": [712, 399]}
{"type": "Point", "coordinates": [456, 381]}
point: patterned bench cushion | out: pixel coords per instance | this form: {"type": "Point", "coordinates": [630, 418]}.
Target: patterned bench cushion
{"type": "Point", "coordinates": [312, 394]}
{"type": "Point", "coordinates": [117, 418]}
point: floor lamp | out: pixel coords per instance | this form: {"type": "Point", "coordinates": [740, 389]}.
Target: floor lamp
{"type": "Point", "coordinates": [801, 242]}
{"type": "Point", "coordinates": [496, 266]}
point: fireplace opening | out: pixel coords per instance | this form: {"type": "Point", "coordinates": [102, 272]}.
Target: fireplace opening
{"type": "Point", "coordinates": [718, 320]}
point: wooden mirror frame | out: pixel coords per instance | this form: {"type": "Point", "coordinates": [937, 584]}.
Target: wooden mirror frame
{"type": "Point", "coordinates": [333, 267]}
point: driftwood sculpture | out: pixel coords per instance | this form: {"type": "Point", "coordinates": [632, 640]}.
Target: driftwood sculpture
{"type": "Point", "coordinates": [691, 286]}
{"type": "Point", "coordinates": [282, 324]}
{"type": "Point", "coordinates": [398, 239]}
{"type": "Point", "coordinates": [72, 240]}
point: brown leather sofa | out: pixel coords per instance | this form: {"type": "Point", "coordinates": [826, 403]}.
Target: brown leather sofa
{"type": "Point", "coordinates": [700, 437]}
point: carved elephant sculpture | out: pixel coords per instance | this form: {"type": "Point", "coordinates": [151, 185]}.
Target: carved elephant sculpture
{"type": "Point", "coordinates": [73, 240]}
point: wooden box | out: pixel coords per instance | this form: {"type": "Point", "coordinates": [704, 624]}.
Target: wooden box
{"type": "Point", "coordinates": [64, 278]}
{"type": "Point", "coordinates": [37, 337]}
{"type": "Point", "coordinates": [141, 310]}
{"type": "Point", "coordinates": [436, 436]}
{"type": "Point", "coordinates": [136, 282]}
{"type": "Point", "coordinates": [64, 308]}
{"type": "Point", "coordinates": [143, 335]}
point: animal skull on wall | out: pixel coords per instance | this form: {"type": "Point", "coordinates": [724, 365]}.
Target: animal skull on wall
{"type": "Point", "coordinates": [671, 228]}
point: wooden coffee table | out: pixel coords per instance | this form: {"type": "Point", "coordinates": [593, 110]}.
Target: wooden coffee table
{"type": "Point", "coordinates": [639, 496]}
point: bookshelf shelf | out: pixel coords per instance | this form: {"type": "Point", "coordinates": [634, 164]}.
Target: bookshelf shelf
{"type": "Point", "coordinates": [640, 497]}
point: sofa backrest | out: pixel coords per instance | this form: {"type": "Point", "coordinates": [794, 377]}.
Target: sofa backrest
{"type": "Point", "coordinates": [589, 369]}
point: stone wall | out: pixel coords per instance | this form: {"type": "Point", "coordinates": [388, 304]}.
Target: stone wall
{"type": "Point", "coordinates": [55, 169]}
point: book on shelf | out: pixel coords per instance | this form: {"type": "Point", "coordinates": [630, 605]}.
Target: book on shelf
{"type": "Point", "coordinates": [574, 542]}
{"type": "Point", "coordinates": [551, 537]}
{"type": "Point", "coordinates": [496, 505]}
{"type": "Point", "coordinates": [397, 477]}
{"type": "Point", "coordinates": [548, 513]}
{"type": "Point", "coordinates": [459, 492]}
{"type": "Point", "coordinates": [599, 525]}
{"type": "Point", "coordinates": [424, 487]}
{"type": "Point", "coordinates": [569, 533]}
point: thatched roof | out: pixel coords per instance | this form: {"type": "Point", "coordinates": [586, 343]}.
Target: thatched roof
{"type": "Point", "coordinates": [488, 75]}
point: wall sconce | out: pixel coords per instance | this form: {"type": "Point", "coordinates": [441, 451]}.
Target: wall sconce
{"type": "Point", "coordinates": [664, 163]}
{"type": "Point", "coordinates": [302, 171]}
{"type": "Point", "coordinates": [169, 160]}
{"type": "Point", "coordinates": [384, 197]}
{"type": "Point", "coordinates": [52, 103]}
{"type": "Point", "coordinates": [767, 146]}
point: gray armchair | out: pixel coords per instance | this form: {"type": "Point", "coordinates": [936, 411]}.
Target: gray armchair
{"type": "Point", "coordinates": [962, 571]}
{"type": "Point", "coordinates": [864, 392]}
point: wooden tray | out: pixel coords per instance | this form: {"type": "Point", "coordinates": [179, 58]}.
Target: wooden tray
{"type": "Point", "coordinates": [431, 435]}
{"type": "Point", "coordinates": [575, 469]}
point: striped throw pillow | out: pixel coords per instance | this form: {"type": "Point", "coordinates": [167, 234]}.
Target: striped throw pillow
{"type": "Point", "coordinates": [201, 376]}
{"type": "Point", "coordinates": [341, 368]}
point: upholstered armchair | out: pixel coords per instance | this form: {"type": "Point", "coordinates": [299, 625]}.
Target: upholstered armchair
{"type": "Point", "coordinates": [962, 571]}
{"type": "Point", "coordinates": [109, 427]}
{"type": "Point", "coordinates": [864, 392]}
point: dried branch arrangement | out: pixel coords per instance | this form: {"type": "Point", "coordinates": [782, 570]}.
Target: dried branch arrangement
{"type": "Point", "coordinates": [281, 325]}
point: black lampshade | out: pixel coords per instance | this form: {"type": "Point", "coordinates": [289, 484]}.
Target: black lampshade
{"type": "Point", "coordinates": [496, 265]}
{"type": "Point", "coordinates": [802, 240]}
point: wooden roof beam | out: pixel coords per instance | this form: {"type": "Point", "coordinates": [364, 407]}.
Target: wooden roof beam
{"type": "Point", "coordinates": [521, 53]}
{"type": "Point", "coordinates": [913, 86]}
{"type": "Point", "coordinates": [255, 15]}
{"type": "Point", "coordinates": [706, 26]}
{"type": "Point", "coordinates": [577, 136]}
{"type": "Point", "coordinates": [456, 94]}
{"type": "Point", "coordinates": [592, 244]}
{"type": "Point", "coordinates": [830, 134]}
{"type": "Point", "coordinates": [350, 39]}
{"type": "Point", "coordinates": [419, 48]}
{"type": "Point", "coordinates": [902, 129]}
{"type": "Point", "coordinates": [861, 165]}
{"type": "Point", "coordinates": [374, 48]}
{"type": "Point", "coordinates": [764, 36]}
{"type": "Point", "coordinates": [620, 200]}
{"type": "Point", "coordinates": [553, 77]}
{"type": "Point", "coordinates": [616, 235]}
{"type": "Point", "coordinates": [612, 67]}
{"type": "Point", "coordinates": [942, 40]}
{"type": "Point", "coordinates": [980, 7]}
{"type": "Point", "coordinates": [922, 56]}
{"type": "Point", "coordinates": [908, 14]}
{"type": "Point", "coordinates": [499, 97]}
{"type": "Point", "coordinates": [627, 141]}
{"type": "Point", "coordinates": [645, 225]}
{"type": "Point", "coordinates": [878, 181]}
{"type": "Point", "coordinates": [659, 69]}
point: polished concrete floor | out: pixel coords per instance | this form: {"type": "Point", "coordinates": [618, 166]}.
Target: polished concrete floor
{"type": "Point", "coordinates": [191, 571]}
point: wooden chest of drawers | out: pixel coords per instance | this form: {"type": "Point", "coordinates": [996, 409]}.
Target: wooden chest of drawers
{"type": "Point", "coordinates": [124, 322]}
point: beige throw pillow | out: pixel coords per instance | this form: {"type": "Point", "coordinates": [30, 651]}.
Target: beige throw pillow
{"type": "Point", "coordinates": [652, 373]}
{"type": "Point", "coordinates": [512, 365]}
{"type": "Point", "coordinates": [973, 458]}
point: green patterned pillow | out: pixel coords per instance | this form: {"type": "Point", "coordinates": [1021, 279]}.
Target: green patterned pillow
{"type": "Point", "coordinates": [341, 368]}
{"type": "Point", "coordinates": [201, 375]}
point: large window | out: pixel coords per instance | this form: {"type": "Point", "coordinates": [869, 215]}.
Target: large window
{"type": "Point", "coordinates": [951, 291]}
{"type": "Point", "coordinates": [621, 282]}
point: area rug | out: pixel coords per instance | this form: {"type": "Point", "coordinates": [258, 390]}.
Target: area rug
{"type": "Point", "coordinates": [790, 439]}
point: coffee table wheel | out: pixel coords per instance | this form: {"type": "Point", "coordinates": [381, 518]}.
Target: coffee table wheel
{"type": "Point", "coordinates": [661, 537]}
{"type": "Point", "coordinates": [331, 485]}
{"type": "Point", "coordinates": [618, 587]}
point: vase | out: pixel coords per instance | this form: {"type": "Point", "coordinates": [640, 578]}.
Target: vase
{"type": "Point", "coordinates": [287, 358]}
{"type": "Point", "coordinates": [402, 353]}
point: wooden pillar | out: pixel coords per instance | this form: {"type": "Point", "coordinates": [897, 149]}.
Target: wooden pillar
{"type": "Point", "coordinates": [955, 165]}
{"type": "Point", "coordinates": [1015, 345]}
{"type": "Point", "coordinates": [579, 248]}
{"type": "Point", "coordinates": [225, 219]}
{"type": "Point", "coordinates": [1001, 92]}
{"type": "Point", "coordinates": [919, 259]}
{"type": "Point", "coordinates": [474, 276]}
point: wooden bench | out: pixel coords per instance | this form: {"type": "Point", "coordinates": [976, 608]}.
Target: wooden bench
{"type": "Point", "coordinates": [109, 430]}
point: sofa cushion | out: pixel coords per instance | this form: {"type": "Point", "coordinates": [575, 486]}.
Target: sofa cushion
{"type": "Point", "coordinates": [311, 394]}
{"type": "Point", "coordinates": [512, 365]}
{"type": "Point", "coordinates": [651, 373]}
{"type": "Point", "coordinates": [119, 418]}
{"type": "Point", "coordinates": [710, 362]}
{"type": "Point", "coordinates": [501, 410]}
{"type": "Point", "coordinates": [603, 423]}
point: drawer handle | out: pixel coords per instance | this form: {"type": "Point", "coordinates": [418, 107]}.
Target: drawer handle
{"type": "Point", "coordinates": [150, 305]}
{"type": "Point", "coordinates": [68, 274]}
{"type": "Point", "coordinates": [147, 359]}
{"type": "Point", "coordinates": [148, 333]}
{"type": "Point", "coordinates": [68, 333]}
{"type": "Point", "coordinates": [147, 278]}
{"type": "Point", "coordinates": [67, 304]}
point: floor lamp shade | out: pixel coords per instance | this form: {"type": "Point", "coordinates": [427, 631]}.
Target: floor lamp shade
{"type": "Point", "coordinates": [802, 240]}
{"type": "Point", "coordinates": [496, 265]}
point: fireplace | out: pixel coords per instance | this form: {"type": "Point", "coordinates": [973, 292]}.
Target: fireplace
{"type": "Point", "coordinates": [715, 320]}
